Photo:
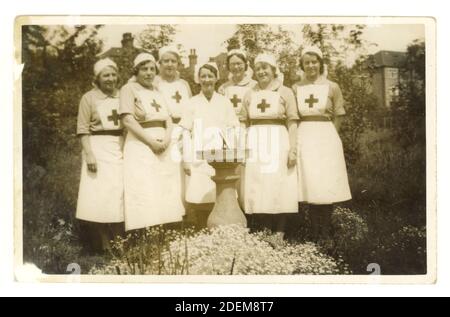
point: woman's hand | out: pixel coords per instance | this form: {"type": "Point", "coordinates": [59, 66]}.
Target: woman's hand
{"type": "Point", "coordinates": [157, 146]}
{"type": "Point", "coordinates": [134, 127]}
{"type": "Point", "coordinates": [166, 141]}
{"type": "Point", "coordinates": [187, 168]}
{"type": "Point", "coordinates": [337, 121]}
{"type": "Point", "coordinates": [292, 158]}
{"type": "Point", "coordinates": [91, 162]}
{"type": "Point", "coordinates": [89, 157]}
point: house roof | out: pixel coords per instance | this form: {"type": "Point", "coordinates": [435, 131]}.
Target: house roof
{"type": "Point", "coordinates": [219, 58]}
{"type": "Point", "coordinates": [113, 51]}
{"type": "Point", "coordinates": [118, 51]}
{"type": "Point", "coordinates": [389, 59]}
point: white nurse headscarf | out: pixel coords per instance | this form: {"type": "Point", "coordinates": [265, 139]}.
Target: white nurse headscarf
{"type": "Point", "coordinates": [144, 57]}
{"type": "Point", "coordinates": [272, 61]}
{"type": "Point", "coordinates": [101, 64]}
{"type": "Point", "coordinates": [140, 58]}
{"type": "Point", "coordinates": [168, 49]}
{"type": "Point", "coordinates": [312, 49]}
{"type": "Point", "coordinates": [318, 52]}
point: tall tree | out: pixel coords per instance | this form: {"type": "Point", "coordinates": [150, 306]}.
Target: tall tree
{"type": "Point", "coordinates": [337, 41]}
{"type": "Point", "coordinates": [156, 36]}
{"type": "Point", "coordinates": [258, 38]}
{"type": "Point", "coordinates": [356, 85]}
{"type": "Point", "coordinates": [408, 109]}
{"type": "Point", "coordinates": [58, 70]}
{"type": "Point", "coordinates": [58, 64]}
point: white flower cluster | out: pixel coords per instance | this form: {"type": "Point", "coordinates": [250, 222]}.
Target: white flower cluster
{"type": "Point", "coordinates": [228, 250]}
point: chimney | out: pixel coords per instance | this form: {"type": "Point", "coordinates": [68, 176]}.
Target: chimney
{"type": "Point", "coordinates": [192, 59]}
{"type": "Point", "coordinates": [127, 41]}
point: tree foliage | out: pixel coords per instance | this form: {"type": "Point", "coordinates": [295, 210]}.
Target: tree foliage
{"type": "Point", "coordinates": [408, 109]}
{"type": "Point", "coordinates": [57, 71]}
{"type": "Point", "coordinates": [259, 38]}
{"type": "Point", "coordinates": [338, 42]}
{"type": "Point", "coordinates": [156, 36]}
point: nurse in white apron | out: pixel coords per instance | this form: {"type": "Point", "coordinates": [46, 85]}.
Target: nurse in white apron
{"type": "Point", "coordinates": [270, 111]}
{"type": "Point", "coordinates": [152, 180]}
{"type": "Point", "coordinates": [239, 83]}
{"type": "Point", "coordinates": [240, 79]}
{"type": "Point", "coordinates": [175, 90]}
{"type": "Point", "coordinates": [209, 115]}
{"type": "Point", "coordinates": [322, 172]}
{"type": "Point", "coordinates": [177, 93]}
{"type": "Point", "coordinates": [100, 197]}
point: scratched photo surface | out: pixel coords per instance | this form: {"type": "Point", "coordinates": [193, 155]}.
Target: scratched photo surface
{"type": "Point", "coordinates": [224, 149]}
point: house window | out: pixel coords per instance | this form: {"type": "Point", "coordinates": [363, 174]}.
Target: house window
{"type": "Point", "coordinates": [392, 73]}
{"type": "Point", "coordinates": [394, 91]}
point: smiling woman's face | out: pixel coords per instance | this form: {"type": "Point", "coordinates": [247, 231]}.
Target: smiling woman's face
{"type": "Point", "coordinates": [311, 65]}
{"type": "Point", "coordinates": [264, 73]}
{"type": "Point", "coordinates": [107, 79]}
{"type": "Point", "coordinates": [207, 80]}
{"type": "Point", "coordinates": [237, 66]}
{"type": "Point", "coordinates": [146, 74]}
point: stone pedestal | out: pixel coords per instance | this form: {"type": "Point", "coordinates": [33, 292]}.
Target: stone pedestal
{"type": "Point", "coordinates": [226, 208]}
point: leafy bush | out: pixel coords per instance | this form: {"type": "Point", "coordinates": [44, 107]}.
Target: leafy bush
{"type": "Point", "coordinates": [361, 103]}
{"type": "Point", "coordinates": [349, 231]}
{"type": "Point", "coordinates": [143, 252]}
{"type": "Point", "coordinates": [405, 248]}
{"type": "Point", "coordinates": [49, 200]}
{"type": "Point", "coordinates": [390, 174]}
{"type": "Point", "coordinates": [53, 248]}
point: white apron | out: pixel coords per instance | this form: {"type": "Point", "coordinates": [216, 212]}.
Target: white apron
{"type": "Point", "coordinates": [152, 182]}
{"type": "Point", "coordinates": [200, 188]}
{"type": "Point", "coordinates": [270, 187]}
{"type": "Point", "coordinates": [210, 117]}
{"type": "Point", "coordinates": [236, 95]}
{"type": "Point", "coordinates": [322, 173]}
{"type": "Point", "coordinates": [176, 95]}
{"type": "Point", "coordinates": [100, 197]}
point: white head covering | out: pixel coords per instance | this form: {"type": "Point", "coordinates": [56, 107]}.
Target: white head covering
{"type": "Point", "coordinates": [237, 51]}
{"type": "Point", "coordinates": [316, 50]}
{"type": "Point", "coordinates": [312, 49]}
{"type": "Point", "coordinates": [269, 59]}
{"type": "Point", "coordinates": [272, 61]}
{"type": "Point", "coordinates": [168, 49]}
{"type": "Point", "coordinates": [144, 57]}
{"type": "Point", "coordinates": [198, 66]}
{"type": "Point", "coordinates": [102, 64]}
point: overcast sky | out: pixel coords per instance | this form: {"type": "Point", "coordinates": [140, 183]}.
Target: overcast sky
{"type": "Point", "coordinates": [208, 39]}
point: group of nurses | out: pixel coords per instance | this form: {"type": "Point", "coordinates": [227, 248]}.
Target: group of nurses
{"type": "Point", "coordinates": [154, 174]}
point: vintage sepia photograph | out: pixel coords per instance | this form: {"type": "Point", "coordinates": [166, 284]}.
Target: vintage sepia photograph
{"type": "Point", "coordinates": [289, 149]}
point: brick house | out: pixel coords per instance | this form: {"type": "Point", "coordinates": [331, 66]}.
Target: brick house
{"type": "Point", "coordinates": [123, 56]}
